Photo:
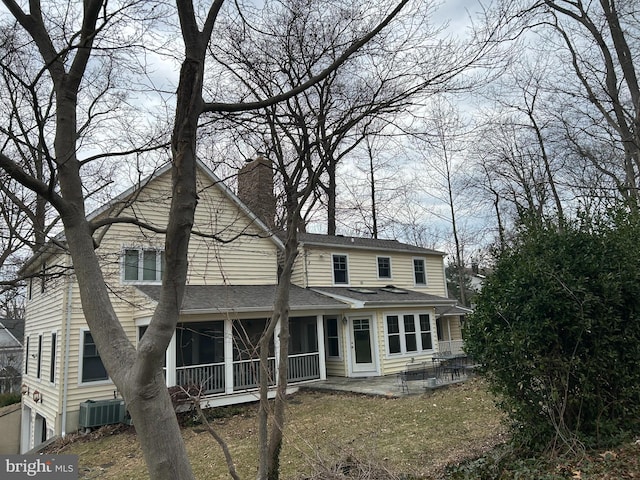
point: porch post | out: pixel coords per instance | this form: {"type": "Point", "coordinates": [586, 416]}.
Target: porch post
{"type": "Point", "coordinates": [228, 356]}
{"type": "Point", "coordinates": [321, 347]}
{"type": "Point", "coordinates": [170, 361]}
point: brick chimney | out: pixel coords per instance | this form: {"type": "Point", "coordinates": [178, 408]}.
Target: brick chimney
{"type": "Point", "coordinates": [255, 189]}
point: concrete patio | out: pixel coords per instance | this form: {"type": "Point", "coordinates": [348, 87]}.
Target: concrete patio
{"type": "Point", "coordinates": [386, 386]}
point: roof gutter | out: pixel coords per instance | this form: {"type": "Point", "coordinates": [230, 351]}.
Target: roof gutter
{"type": "Point", "coordinates": [408, 304]}
{"type": "Point", "coordinates": [266, 309]}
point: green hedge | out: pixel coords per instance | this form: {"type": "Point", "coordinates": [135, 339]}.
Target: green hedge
{"type": "Point", "coordinates": [557, 331]}
{"type": "Point", "coordinates": [9, 399]}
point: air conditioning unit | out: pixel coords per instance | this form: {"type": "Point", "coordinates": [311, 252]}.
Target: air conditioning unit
{"type": "Point", "coordinates": [95, 413]}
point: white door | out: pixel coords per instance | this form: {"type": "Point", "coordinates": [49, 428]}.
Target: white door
{"type": "Point", "coordinates": [363, 359]}
{"type": "Point", "coordinates": [25, 437]}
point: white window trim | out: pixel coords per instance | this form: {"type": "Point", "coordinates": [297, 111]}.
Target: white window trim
{"type": "Point", "coordinates": [80, 364]}
{"type": "Point", "coordinates": [338, 334]}
{"type": "Point", "coordinates": [140, 250]}
{"type": "Point", "coordinates": [333, 274]}
{"type": "Point", "coordinates": [403, 347]}
{"type": "Point", "coordinates": [390, 277]}
{"type": "Point", "coordinates": [413, 271]}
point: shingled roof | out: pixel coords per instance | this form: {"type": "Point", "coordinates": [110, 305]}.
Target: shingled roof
{"type": "Point", "coordinates": [11, 333]}
{"type": "Point", "coordinates": [244, 298]}
{"type": "Point", "coordinates": [362, 243]}
{"type": "Point", "coordinates": [383, 296]}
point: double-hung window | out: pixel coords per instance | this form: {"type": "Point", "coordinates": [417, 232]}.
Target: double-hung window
{"type": "Point", "coordinates": [408, 333]}
{"type": "Point", "coordinates": [384, 267]}
{"type": "Point", "coordinates": [92, 367]}
{"type": "Point", "coordinates": [340, 270]}
{"type": "Point", "coordinates": [143, 265]}
{"type": "Point", "coordinates": [419, 271]}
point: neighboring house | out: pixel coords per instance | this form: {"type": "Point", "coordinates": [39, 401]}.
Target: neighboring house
{"type": "Point", "coordinates": [346, 318]}
{"type": "Point", "coordinates": [10, 355]}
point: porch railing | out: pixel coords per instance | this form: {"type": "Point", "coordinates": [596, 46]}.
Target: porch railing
{"type": "Point", "coordinates": [305, 366]}
{"type": "Point", "coordinates": [453, 346]}
{"type": "Point", "coordinates": [246, 373]}
{"type": "Point", "coordinates": [209, 376]}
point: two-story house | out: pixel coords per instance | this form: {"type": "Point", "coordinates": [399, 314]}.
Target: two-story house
{"type": "Point", "coordinates": [358, 306]}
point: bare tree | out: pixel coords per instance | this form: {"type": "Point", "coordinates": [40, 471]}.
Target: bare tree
{"type": "Point", "coordinates": [441, 150]}
{"type": "Point", "coordinates": [371, 180]}
{"type": "Point", "coordinates": [392, 75]}
{"type": "Point", "coordinates": [72, 52]}
{"type": "Point", "coordinates": [592, 72]}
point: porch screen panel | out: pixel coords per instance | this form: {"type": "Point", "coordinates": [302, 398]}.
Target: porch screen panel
{"type": "Point", "coordinates": [303, 335]}
{"type": "Point", "coordinates": [200, 355]}
{"type": "Point", "coordinates": [246, 364]}
{"type": "Point", "coordinates": [199, 343]}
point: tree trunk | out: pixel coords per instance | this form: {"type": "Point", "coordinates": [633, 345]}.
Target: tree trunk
{"type": "Point", "coordinates": [374, 212]}
{"type": "Point", "coordinates": [331, 197]}
{"type": "Point", "coordinates": [282, 305]}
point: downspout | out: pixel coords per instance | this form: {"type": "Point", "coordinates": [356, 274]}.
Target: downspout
{"type": "Point", "coordinates": [444, 278]}
{"type": "Point", "coordinates": [65, 374]}
{"type": "Point", "coordinates": [304, 263]}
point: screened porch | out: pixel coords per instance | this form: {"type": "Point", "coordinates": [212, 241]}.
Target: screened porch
{"type": "Point", "coordinates": [222, 357]}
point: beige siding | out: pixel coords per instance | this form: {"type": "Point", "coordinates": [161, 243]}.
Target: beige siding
{"type": "Point", "coordinates": [44, 312]}
{"type": "Point", "coordinates": [363, 269]}
{"type": "Point", "coordinates": [228, 248]}
{"type": "Point", "coordinates": [298, 275]}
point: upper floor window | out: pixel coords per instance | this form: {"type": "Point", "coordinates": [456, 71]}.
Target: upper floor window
{"type": "Point", "coordinates": [419, 271]}
{"type": "Point", "coordinates": [340, 270]}
{"type": "Point", "coordinates": [384, 267]}
{"type": "Point", "coordinates": [143, 265]}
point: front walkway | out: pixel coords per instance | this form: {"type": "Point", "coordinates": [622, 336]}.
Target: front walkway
{"type": "Point", "coordinates": [386, 386]}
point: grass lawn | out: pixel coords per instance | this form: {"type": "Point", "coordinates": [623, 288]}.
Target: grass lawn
{"type": "Point", "coordinates": [413, 436]}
